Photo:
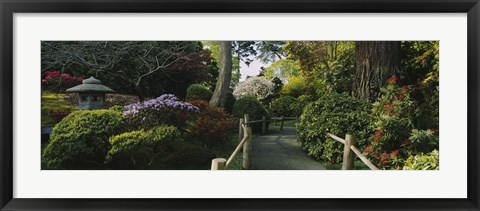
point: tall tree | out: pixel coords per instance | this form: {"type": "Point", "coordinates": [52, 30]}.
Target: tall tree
{"type": "Point", "coordinates": [221, 89]}
{"type": "Point", "coordinates": [376, 61]}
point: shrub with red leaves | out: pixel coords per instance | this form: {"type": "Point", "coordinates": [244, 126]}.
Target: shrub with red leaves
{"type": "Point", "coordinates": [211, 126]}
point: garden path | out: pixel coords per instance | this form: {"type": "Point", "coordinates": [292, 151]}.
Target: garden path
{"type": "Point", "coordinates": [280, 150]}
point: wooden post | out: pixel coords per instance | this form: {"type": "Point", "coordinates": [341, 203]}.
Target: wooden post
{"type": "Point", "coordinates": [264, 125]}
{"type": "Point", "coordinates": [219, 164]}
{"type": "Point", "coordinates": [240, 129]}
{"type": "Point", "coordinates": [247, 147]}
{"type": "Point", "coordinates": [348, 153]}
{"type": "Point", "coordinates": [281, 123]}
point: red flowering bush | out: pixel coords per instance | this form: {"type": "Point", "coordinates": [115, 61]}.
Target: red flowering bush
{"type": "Point", "coordinates": [393, 115]}
{"type": "Point", "coordinates": [211, 126]}
{"type": "Point", "coordinates": [58, 81]}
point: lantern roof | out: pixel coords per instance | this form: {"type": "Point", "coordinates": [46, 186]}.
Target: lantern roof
{"type": "Point", "coordinates": [91, 85]}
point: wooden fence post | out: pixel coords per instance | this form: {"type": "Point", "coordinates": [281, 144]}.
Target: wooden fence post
{"type": "Point", "coordinates": [240, 129]}
{"type": "Point", "coordinates": [264, 125]}
{"type": "Point", "coordinates": [219, 164]}
{"type": "Point", "coordinates": [347, 153]}
{"type": "Point", "coordinates": [281, 123]}
{"type": "Point", "coordinates": [247, 147]}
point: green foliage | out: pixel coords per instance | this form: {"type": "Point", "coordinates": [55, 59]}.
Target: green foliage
{"type": "Point", "coordinates": [254, 109]}
{"type": "Point", "coordinates": [80, 140]}
{"type": "Point", "coordinates": [211, 126]}
{"type": "Point", "coordinates": [197, 91]}
{"type": "Point", "coordinates": [295, 87]}
{"type": "Point", "coordinates": [423, 140]}
{"type": "Point", "coordinates": [334, 113]}
{"type": "Point", "coordinates": [396, 137]}
{"type": "Point", "coordinates": [429, 161]}
{"type": "Point", "coordinates": [183, 156]}
{"type": "Point", "coordinates": [330, 64]}
{"type": "Point", "coordinates": [300, 103]}
{"type": "Point", "coordinates": [54, 108]}
{"type": "Point", "coordinates": [137, 149]}
{"type": "Point", "coordinates": [283, 106]}
{"type": "Point", "coordinates": [283, 69]}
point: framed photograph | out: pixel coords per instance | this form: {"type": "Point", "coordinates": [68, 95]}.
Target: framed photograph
{"type": "Point", "coordinates": [265, 105]}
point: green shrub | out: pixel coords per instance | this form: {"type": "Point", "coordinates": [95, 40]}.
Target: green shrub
{"type": "Point", "coordinates": [137, 149]}
{"type": "Point", "coordinates": [429, 161]}
{"type": "Point", "coordinates": [334, 113]}
{"type": "Point", "coordinates": [197, 91]}
{"type": "Point", "coordinates": [80, 140]}
{"type": "Point", "coordinates": [254, 109]}
{"type": "Point", "coordinates": [396, 135]}
{"type": "Point", "coordinates": [300, 103]}
{"type": "Point", "coordinates": [295, 87]}
{"type": "Point", "coordinates": [282, 106]}
{"type": "Point", "coordinates": [183, 156]}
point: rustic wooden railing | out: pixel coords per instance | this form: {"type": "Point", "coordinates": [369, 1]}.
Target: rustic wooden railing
{"type": "Point", "coordinates": [282, 119]}
{"type": "Point", "coordinates": [349, 147]}
{"type": "Point", "coordinates": [245, 144]}
{"type": "Point", "coordinates": [245, 137]}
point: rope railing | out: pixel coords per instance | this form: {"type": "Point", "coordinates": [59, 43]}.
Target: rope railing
{"type": "Point", "coordinates": [349, 147]}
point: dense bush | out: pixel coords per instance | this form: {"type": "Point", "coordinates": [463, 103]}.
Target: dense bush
{"type": "Point", "coordinates": [429, 161]}
{"type": "Point", "coordinates": [295, 87]}
{"type": "Point", "coordinates": [396, 137]}
{"type": "Point", "coordinates": [197, 91]}
{"type": "Point", "coordinates": [183, 156]}
{"type": "Point", "coordinates": [166, 109]}
{"type": "Point", "coordinates": [283, 106]}
{"type": "Point", "coordinates": [211, 126]}
{"type": "Point", "coordinates": [334, 113]}
{"type": "Point", "coordinates": [254, 109]}
{"type": "Point", "coordinates": [137, 149]}
{"type": "Point", "coordinates": [80, 140]}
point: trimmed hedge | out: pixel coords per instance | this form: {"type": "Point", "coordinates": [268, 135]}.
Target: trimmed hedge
{"type": "Point", "coordinates": [254, 109]}
{"type": "Point", "coordinates": [334, 113]}
{"type": "Point", "coordinates": [197, 91]}
{"type": "Point", "coordinates": [80, 140]}
{"type": "Point", "coordinates": [137, 149]}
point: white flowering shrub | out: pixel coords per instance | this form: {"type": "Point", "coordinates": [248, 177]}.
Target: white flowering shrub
{"type": "Point", "coordinates": [258, 87]}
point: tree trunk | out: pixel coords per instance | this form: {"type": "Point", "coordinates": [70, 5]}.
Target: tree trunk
{"type": "Point", "coordinates": [376, 62]}
{"type": "Point", "coordinates": [221, 89]}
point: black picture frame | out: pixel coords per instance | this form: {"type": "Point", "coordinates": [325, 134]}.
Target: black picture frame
{"type": "Point", "coordinates": [9, 7]}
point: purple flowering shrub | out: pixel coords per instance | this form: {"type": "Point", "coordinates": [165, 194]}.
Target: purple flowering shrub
{"type": "Point", "coordinates": [164, 110]}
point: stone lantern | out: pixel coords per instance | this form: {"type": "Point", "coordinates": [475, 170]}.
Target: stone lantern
{"type": "Point", "coordinates": [91, 94]}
